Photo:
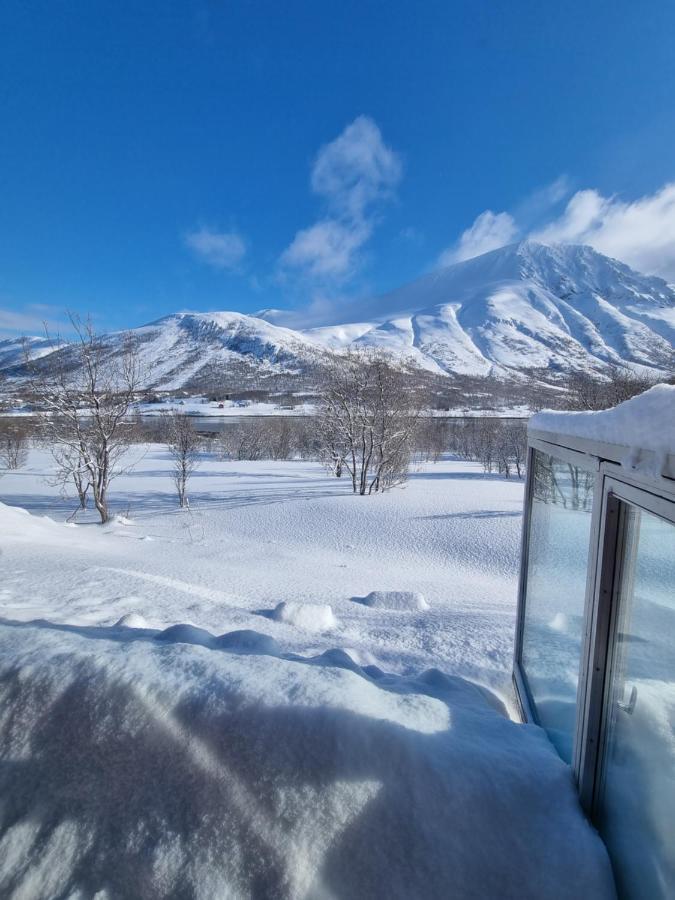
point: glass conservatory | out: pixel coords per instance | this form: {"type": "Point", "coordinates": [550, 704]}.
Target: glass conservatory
{"type": "Point", "coordinates": [595, 637]}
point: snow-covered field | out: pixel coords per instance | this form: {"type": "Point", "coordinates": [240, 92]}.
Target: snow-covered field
{"type": "Point", "coordinates": [257, 698]}
{"type": "Point", "coordinates": [259, 533]}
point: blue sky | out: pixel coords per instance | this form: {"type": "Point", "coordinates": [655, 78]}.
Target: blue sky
{"type": "Point", "coordinates": [160, 156]}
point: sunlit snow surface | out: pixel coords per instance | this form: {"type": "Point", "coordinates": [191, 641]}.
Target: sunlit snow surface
{"type": "Point", "coordinates": [208, 746]}
{"type": "Point", "coordinates": [260, 533]}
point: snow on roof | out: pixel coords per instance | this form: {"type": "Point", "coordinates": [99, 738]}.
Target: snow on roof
{"type": "Point", "coordinates": [133, 765]}
{"type": "Point", "coordinates": [643, 423]}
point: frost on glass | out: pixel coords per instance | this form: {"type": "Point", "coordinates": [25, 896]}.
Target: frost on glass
{"type": "Point", "coordinates": [560, 523]}
{"type": "Point", "coordinates": [637, 798]}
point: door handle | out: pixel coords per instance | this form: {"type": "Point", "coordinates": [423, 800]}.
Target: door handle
{"type": "Point", "coordinates": [629, 705]}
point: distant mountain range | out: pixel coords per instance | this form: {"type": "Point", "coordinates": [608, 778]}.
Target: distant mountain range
{"type": "Point", "coordinates": [522, 307]}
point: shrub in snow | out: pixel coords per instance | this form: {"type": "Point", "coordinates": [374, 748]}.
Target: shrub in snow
{"type": "Point", "coordinates": [310, 616]}
{"type": "Point", "coordinates": [411, 601]}
{"type": "Point", "coordinates": [119, 519]}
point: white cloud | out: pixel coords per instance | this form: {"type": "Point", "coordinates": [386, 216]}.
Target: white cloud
{"type": "Point", "coordinates": [489, 231]}
{"type": "Point", "coordinates": [30, 321]}
{"type": "Point", "coordinates": [639, 232]}
{"type": "Point", "coordinates": [327, 249]}
{"type": "Point", "coordinates": [356, 169]}
{"type": "Point", "coordinates": [354, 174]}
{"type": "Point", "coordinates": [540, 203]}
{"type": "Point", "coordinates": [220, 249]}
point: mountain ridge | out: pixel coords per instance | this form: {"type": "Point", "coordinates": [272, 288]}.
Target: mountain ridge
{"type": "Point", "coordinates": [527, 306]}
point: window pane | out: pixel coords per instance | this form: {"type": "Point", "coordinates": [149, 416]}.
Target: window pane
{"type": "Point", "coordinates": [637, 799]}
{"type": "Point", "coordinates": [560, 523]}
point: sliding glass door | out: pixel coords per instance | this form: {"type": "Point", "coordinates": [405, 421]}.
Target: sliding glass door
{"type": "Point", "coordinates": [554, 593]}
{"type": "Point", "coordinates": [635, 797]}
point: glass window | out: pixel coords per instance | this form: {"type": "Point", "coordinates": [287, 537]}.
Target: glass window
{"type": "Point", "coordinates": [560, 523]}
{"type": "Point", "coordinates": [636, 809]}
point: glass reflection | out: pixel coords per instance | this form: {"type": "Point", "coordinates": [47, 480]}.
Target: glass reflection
{"type": "Point", "coordinates": [560, 522]}
{"type": "Point", "coordinates": [637, 799]}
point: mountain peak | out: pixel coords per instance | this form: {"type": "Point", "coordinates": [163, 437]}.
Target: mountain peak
{"type": "Point", "coordinates": [529, 305]}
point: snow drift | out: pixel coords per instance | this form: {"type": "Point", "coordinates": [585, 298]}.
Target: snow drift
{"type": "Point", "coordinates": [644, 426]}
{"type": "Point", "coordinates": [310, 616]}
{"type": "Point", "coordinates": [143, 768]}
{"type": "Point", "coordinates": [646, 421]}
{"type": "Point", "coordinates": [411, 601]}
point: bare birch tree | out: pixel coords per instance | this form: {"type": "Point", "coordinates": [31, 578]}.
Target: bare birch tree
{"type": "Point", "coordinates": [71, 471]}
{"type": "Point", "coordinates": [86, 390]}
{"type": "Point", "coordinates": [368, 417]}
{"type": "Point", "coordinates": [13, 444]}
{"type": "Point", "coordinates": [183, 443]}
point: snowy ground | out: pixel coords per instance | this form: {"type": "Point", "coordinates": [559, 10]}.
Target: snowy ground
{"type": "Point", "coordinates": [215, 744]}
{"type": "Point", "coordinates": [261, 533]}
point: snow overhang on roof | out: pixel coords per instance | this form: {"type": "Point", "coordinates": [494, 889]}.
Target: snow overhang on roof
{"type": "Point", "coordinates": [638, 434]}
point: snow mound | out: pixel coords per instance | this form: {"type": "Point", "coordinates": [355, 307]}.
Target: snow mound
{"type": "Point", "coordinates": [132, 620]}
{"type": "Point", "coordinates": [559, 622]}
{"type": "Point", "coordinates": [336, 657]}
{"type": "Point", "coordinates": [185, 634]}
{"type": "Point", "coordinates": [159, 769]}
{"type": "Point", "coordinates": [411, 601]}
{"type": "Point", "coordinates": [248, 641]}
{"type": "Point", "coordinates": [645, 422]}
{"type": "Point", "coordinates": [310, 616]}
{"type": "Point", "coordinates": [23, 527]}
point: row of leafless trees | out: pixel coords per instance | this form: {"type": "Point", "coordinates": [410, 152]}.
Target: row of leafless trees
{"type": "Point", "coordinates": [267, 438]}
{"type": "Point", "coordinates": [86, 394]}
{"type": "Point", "coordinates": [500, 445]}
{"type": "Point", "coordinates": [585, 391]}
{"type": "Point", "coordinates": [373, 419]}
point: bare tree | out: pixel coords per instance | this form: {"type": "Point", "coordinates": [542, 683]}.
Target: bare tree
{"type": "Point", "coordinates": [496, 444]}
{"type": "Point", "coordinates": [368, 417]}
{"type": "Point", "coordinates": [87, 389]}
{"type": "Point", "coordinates": [183, 443]}
{"type": "Point", "coordinates": [70, 470]}
{"type": "Point", "coordinates": [592, 392]}
{"type": "Point", "coordinates": [14, 442]}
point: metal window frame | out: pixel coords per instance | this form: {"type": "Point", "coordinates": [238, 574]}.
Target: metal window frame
{"type": "Point", "coordinates": [619, 492]}
{"type": "Point", "coordinates": [615, 487]}
{"type": "Point", "coordinates": [589, 464]}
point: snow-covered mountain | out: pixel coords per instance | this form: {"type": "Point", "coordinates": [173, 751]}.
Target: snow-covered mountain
{"type": "Point", "coordinates": [187, 349]}
{"type": "Point", "coordinates": [522, 307]}
{"type": "Point", "coordinates": [526, 305]}
{"type": "Point", "coordinates": [13, 350]}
